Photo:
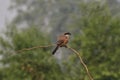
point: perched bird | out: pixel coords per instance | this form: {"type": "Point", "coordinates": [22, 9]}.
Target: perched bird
{"type": "Point", "coordinates": [62, 41]}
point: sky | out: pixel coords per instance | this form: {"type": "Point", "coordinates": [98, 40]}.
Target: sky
{"type": "Point", "coordinates": [5, 14]}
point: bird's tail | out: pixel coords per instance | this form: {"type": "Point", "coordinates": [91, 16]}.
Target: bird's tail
{"type": "Point", "coordinates": [55, 49]}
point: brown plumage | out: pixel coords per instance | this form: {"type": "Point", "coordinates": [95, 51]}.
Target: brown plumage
{"type": "Point", "coordinates": [62, 41]}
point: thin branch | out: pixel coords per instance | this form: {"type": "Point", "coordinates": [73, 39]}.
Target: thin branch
{"type": "Point", "coordinates": [81, 61]}
{"type": "Point", "coordinates": [36, 47]}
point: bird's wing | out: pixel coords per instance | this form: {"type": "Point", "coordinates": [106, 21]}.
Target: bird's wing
{"type": "Point", "coordinates": [61, 39]}
{"type": "Point", "coordinates": [60, 42]}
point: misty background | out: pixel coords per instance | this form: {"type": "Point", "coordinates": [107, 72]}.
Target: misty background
{"type": "Point", "coordinates": [7, 15]}
{"type": "Point", "coordinates": [95, 28]}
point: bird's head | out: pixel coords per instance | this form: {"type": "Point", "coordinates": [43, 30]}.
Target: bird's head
{"type": "Point", "coordinates": [67, 34]}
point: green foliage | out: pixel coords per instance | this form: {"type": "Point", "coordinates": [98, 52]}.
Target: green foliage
{"type": "Point", "coordinates": [99, 41]}
{"type": "Point", "coordinates": [30, 65]}
{"type": "Point", "coordinates": [95, 35]}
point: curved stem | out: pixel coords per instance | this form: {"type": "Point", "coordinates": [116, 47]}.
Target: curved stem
{"type": "Point", "coordinates": [81, 61]}
{"type": "Point", "coordinates": [27, 49]}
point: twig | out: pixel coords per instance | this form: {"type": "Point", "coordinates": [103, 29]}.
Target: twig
{"type": "Point", "coordinates": [81, 61]}
{"type": "Point", "coordinates": [27, 49]}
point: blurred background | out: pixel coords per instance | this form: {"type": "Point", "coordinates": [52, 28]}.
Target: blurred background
{"type": "Point", "coordinates": [95, 28]}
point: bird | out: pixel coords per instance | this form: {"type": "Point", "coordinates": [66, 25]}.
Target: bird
{"type": "Point", "coordinates": [62, 41]}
